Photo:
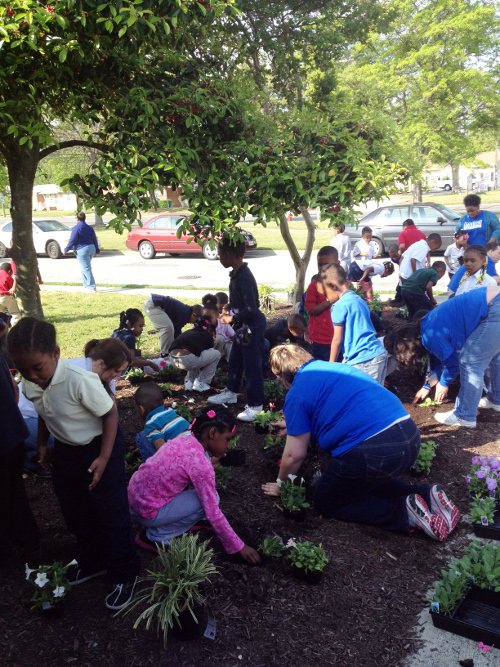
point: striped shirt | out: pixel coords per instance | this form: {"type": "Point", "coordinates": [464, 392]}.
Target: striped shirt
{"type": "Point", "coordinates": [166, 424]}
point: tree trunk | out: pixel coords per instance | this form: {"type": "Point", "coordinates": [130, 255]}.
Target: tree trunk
{"type": "Point", "coordinates": [417, 192]}
{"type": "Point", "coordinates": [21, 164]}
{"type": "Point", "coordinates": [300, 263]}
{"type": "Point", "coordinates": [455, 183]}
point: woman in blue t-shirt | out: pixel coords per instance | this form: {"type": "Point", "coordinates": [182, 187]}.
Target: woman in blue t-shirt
{"type": "Point", "coordinates": [369, 451]}
{"type": "Point", "coordinates": [130, 328]}
{"type": "Point", "coordinates": [469, 324]}
{"type": "Point", "coordinates": [481, 226]}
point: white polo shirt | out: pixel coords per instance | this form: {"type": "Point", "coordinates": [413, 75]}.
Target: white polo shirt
{"type": "Point", "coordinates": [72, 405]}
{"type": "Point", "coordinates": [417, 251]}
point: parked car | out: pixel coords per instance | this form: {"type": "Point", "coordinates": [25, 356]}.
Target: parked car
{"type": "Point", "coordinates": [159, 234]}
{"type": "Point", "coordinates": [50, 237]}
{"type": "Point", "coordinates": [387, 223]}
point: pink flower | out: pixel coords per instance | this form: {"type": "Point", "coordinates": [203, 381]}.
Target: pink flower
{"type": "Point", "coordinates": [485, 647]}
{"type": "Point", "coordinates": [163, 364]}
{"type": "Point", "coordinates": [271, 405]}
{"type": "Point", "coordinates": [385, 314]}
{"type": "Point", "coordinates": [211, 414]}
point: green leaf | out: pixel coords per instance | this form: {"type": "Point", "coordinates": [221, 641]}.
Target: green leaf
{"type": "Point", "coordinates": [62, 55]}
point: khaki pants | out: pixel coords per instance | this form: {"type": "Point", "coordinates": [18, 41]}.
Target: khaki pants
{"type": "Point", "coordinates": [8, 302]}
{"type": "Point", "coordinates": [162, 323]}
{"type": "Point", "coordinates": [223, 347]}
{"type": "Point", "coordinates": [202, 367]}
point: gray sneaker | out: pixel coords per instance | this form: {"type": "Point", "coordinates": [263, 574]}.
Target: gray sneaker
{"type": "Point", "coordinates": [488, 405]}
{"type": "Point", "coordinates": [250, 412]}
{"type": "Point", "coordinates": [225, 396]}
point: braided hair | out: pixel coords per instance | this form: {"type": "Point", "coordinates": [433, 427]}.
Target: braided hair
{"type": "Point", "coordinates": [482, 252]}
{"type": "Point", "coordinates": [32, 335]}
{"type": "Point", "coordinates": [130, 316]}
{"type": "Point", "coordinates": [212, 415]}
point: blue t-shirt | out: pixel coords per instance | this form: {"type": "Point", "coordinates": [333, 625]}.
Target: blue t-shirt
{"type": "Point", "coordinates": [476, 229]}
{"type": "Point", "coordinates": [164, 423]}
{"type": "Point", "coordinates": [446, 328]}
{"type": "Point", "coordinates": [360, 342]}
{"type": "Point", "coordinates": [340, 406]}
{"type": "Point", "coordinates": [455, 281]}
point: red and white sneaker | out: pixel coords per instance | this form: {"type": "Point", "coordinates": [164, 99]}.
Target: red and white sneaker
{"type": "Point", "coordinates": [444, 507]}
{"type": "Point", "coordinates": [420, 517]}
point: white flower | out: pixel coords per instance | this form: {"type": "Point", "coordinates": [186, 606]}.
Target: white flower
{"type": "Point", "coordinates": [174, 405]}
{"type": "Point", "coordinates": [191, 400]}
{"type": "Point", "coordinates": [59, 591]}
{"type": "Point", "coordinates": [73, 562]}
{"type": "Point", "coordinates": [292, 477]}
{"type": "Point", "coordinates": [27, 570]}
{"type": "Point", "coordinates": [291, 543]}
{"type": "Point", "coordinates": [41, 579]}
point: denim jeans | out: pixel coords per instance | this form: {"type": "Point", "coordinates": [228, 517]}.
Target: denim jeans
{"type": "Point", "coordinates": [415, 302]}
{"type": "Point", "coordinates": [480, 353]}
{"type": "Point", "coordinates": [174, 518]}
{"type": "Point", "coordinates": [321, 351]}
{"type": "Point", "coordinates": [248, 358]}
{"type": "Point", "coordinates": [85, 256]}
{"type": "Point", "coordinates": [100, 519]}
{"type": "Point", "coordinates": [363, 485]}
{"type": "Point", "coordinates": [375, 367]}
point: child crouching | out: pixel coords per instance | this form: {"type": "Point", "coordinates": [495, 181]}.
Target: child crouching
{"type": "Point", "coordinates": [157, 492]}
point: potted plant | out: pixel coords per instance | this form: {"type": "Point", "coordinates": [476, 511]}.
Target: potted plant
{"type": "Point", "coordinates": [165, 389]}
{"type": "Point", "coordinates": [264, 419]}
{"type": "Point", "coordinates": [51, 587]}
{"type": "Point", "coordinates": [272, 547]}
{"type": "Point", "coordinates": [222, 477]}
{"type": "Point", "coordinates": [308, 561]}
{"type": "Point", "coordinates": [173, 589]}
{"type": "Point", "coordinates": [426, 455]}
{"type": "Point", "coordinates": [234, 457]}
{"type": "Point", "coordinates": [293, 499]}
{"type": "Point", "coordinates": [168, 372]}
{"type": "Point", "coordinates": [482, 482]}
{"type": "Point", "coordinates": [273, 390]}
{"type": "Point", "coordinates": [135, 376]}
{"type": "Point", "coordinates": [182, 411]}
{"type": "Point", "coordinates": [273, 441]}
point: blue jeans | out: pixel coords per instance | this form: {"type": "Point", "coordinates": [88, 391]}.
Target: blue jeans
{"type": "Point", "coordinates": [321, 351]}
{"type": "Point", "coordinates": [84, 256]}
{"type": "Point", "coordinates": [174, 518]}
{"type": "Point", "coordinates": [363, 485]}
{"type": "Point", "coordinates": [375, 367]}
{"type": "Point", "coordinates": [144, 446]}
{"type": "Point", "coordinates": [480, 353]}
{"type": "Point", "coordinates": [248, 358]}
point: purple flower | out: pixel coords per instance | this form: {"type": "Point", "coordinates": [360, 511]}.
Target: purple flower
{"type": "Point", "coordinates": [467, 479]}
{"type": "Point", "coordinates": [480, 474]}
{"type": "Point", "coordinates": [494, 463]}
{"type": "Point", "coordinates": [475, 460]}
{"type": "Point", "coordinates": [484, 460]}
{"type": "Point", "coordinates": [491, 483]}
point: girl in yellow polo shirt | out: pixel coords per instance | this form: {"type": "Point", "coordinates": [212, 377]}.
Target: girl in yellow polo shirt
{"type": "Point", "coordinates": [88, 469]}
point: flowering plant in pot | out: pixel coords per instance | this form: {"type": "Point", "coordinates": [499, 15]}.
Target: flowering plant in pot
{"type": "Point", "coordinates": [272, 547]}
{"type": "Point", "coordinates": [168, 372]}
{"type": "Point", "coordinates": [293, 498]}
{"type": "Point", "coordinates": [135, 375]}
{"type": "Point", "coordinates": [173, 589]}
{"type": "Point", "coordinates": [482, 510]}
{"type": "Point", "coordinates": [426, 455]}
{"type": "Point", "coordinates": [308, 561]}
{"type": "Point", "coordinates": [483, 477]}
{"type": "Point", "coordinates": [234, 456]}
{"type": "Point", "coordinates": [264, 419]}
{"type": "Point", "coordinates": [482, 482]}
{"type": "Point", "coordinates": [51, 586]}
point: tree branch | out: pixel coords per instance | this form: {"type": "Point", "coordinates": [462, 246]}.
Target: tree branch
{"type": "Point", "coordinates": [69, 144]}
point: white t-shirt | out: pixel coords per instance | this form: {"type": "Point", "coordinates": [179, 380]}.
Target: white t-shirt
{"type": "Point", "coordinates": [471, 283]}
{"type": "Point", "coordinates": [378, 268]}
{"type": "Point", "coordinates": [453, 254]}
{"type": "Point", "coordinates": [343, 244]}
{"type": "Point", "coordinates": [72, 405]}
{"type": "Point", "coordinates": [417, 251]}
{"type": "Point", "coordinates": [363, 246]}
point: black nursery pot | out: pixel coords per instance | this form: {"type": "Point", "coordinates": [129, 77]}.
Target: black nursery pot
{"type": "Point", "coordinates": [51, 611]}
{"type": "Point", "coordinates": [140, 380]}
{"type": "Point", "coordinates": [311, 578]}
{"type": "Point", "coordinates": [189, 628]}
{"type": "Point", "coordinates": [234, 457]}
{"type": "Point", "coordinates": [295, 516]}
{"type": "Point", "coordinates": [261, 430]}
{"type": "Point", "coordinates": [417, 473]}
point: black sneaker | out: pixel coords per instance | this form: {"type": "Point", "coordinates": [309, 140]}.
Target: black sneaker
{"type": "Point", "coordinates": [120, 595]}
{"type": "Point", "coordinates": [78, 576]}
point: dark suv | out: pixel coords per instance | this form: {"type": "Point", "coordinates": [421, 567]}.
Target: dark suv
{"type": "Point", "coordinates": [387, 223]}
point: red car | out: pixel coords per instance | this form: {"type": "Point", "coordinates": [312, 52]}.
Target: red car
{"type": "Point", "coordinates": [159, 234]}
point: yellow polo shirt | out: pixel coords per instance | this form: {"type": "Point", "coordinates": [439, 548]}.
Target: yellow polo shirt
{"type": "Point", "coordinates": [72, 405]}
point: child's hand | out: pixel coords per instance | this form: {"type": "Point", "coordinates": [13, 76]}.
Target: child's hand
{"type": "Point", "coordinates": [421, 395]}
{"type": "Point", "coordinates": [154, 366]}
{"type": "Point", "coordinates": [250, 555]}
{"type": "Point", "coordinates": [271, 489]}
{"type": "Point", "coordinates": [43, 453]}
{"type": "Point", "coordinates": [279, 428]}
{"type": "Point", "coordinates": [441, 393]}
{"type": "Point", "coordinates": [215, 461]}
{"type": "Point", "coordinates": [226, 319]}
{"type": "Point", "coordinates": [97, 467]}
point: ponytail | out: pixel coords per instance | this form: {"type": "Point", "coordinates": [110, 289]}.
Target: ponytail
{"type": "Point", "coordinates": [130, 316]}
{"type": "Point", "coordinates": [112, 351]}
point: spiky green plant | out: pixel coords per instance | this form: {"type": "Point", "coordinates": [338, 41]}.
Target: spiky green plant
{"type": "Point", "coordinates": [173, 584]}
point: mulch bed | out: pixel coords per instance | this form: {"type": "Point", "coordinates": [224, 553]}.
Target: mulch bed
{"type": "Point", "coordinates": [363, 614]}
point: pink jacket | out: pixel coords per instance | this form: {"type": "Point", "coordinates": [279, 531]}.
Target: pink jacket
{"type": "Point", "coordinates": [164, 475]}
{"type": "Point", "coordinates": [225, 330]}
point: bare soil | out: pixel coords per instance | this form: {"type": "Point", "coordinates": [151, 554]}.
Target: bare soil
{"type": "Point", "coordinates": [362, 615]}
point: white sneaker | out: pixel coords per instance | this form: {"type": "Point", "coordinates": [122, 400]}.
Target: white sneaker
{"type": "Point", "coordinates": [225, 396]}
{"type": "Point", "coordinates": [451, 419]}
{"type": "Point", "coordinates": [420, 517]}
{"type": "Point", "coordinates": [188, 385]}
{"type": "Point", "coordinates": [200, 386]}
{"type": "Point", "coordinates": [250, 412]}
{"type": "Point", "coordinates": [488, 405]}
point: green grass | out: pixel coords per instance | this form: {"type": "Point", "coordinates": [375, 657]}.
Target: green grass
{"type": "Point", "coordinates": [80, 317]}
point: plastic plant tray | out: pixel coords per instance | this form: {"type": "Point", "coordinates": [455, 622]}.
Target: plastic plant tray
{"type": "Point", "coordinates": [477, 617]}
{"type": "Point", "coordinates": [490, 532]}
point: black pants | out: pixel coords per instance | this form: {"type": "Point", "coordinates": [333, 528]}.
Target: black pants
{"type": "Point", "coordinates": [17, 523]}
{"type": "Point", "coordinates": [415, 302]}
{"type": "Point", "coordinates": [100, 519]}
{"type": "Point", "coordinates": [248, 358]}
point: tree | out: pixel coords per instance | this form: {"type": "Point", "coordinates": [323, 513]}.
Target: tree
{"type": "Point", "coordinates": [434, 71]}
{"type": "Point", "coordinates": [119, 69]}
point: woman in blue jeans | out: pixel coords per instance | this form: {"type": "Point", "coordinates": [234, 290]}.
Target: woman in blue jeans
{"type": "Point", "coordinates": [469, 324]}
{"type": "Point", "coordinates": [372, 441]}
{"type": "Point", "coordinates": [83, 241]}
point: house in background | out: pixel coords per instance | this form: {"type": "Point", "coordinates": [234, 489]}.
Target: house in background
{"type": "Point", "coordinates": [51, 198]}
{"type": "Point", "coordinates": [482, 174]}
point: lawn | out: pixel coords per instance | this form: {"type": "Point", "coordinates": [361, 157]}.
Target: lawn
{"type": "Point", "coordinates": [80, 317]}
